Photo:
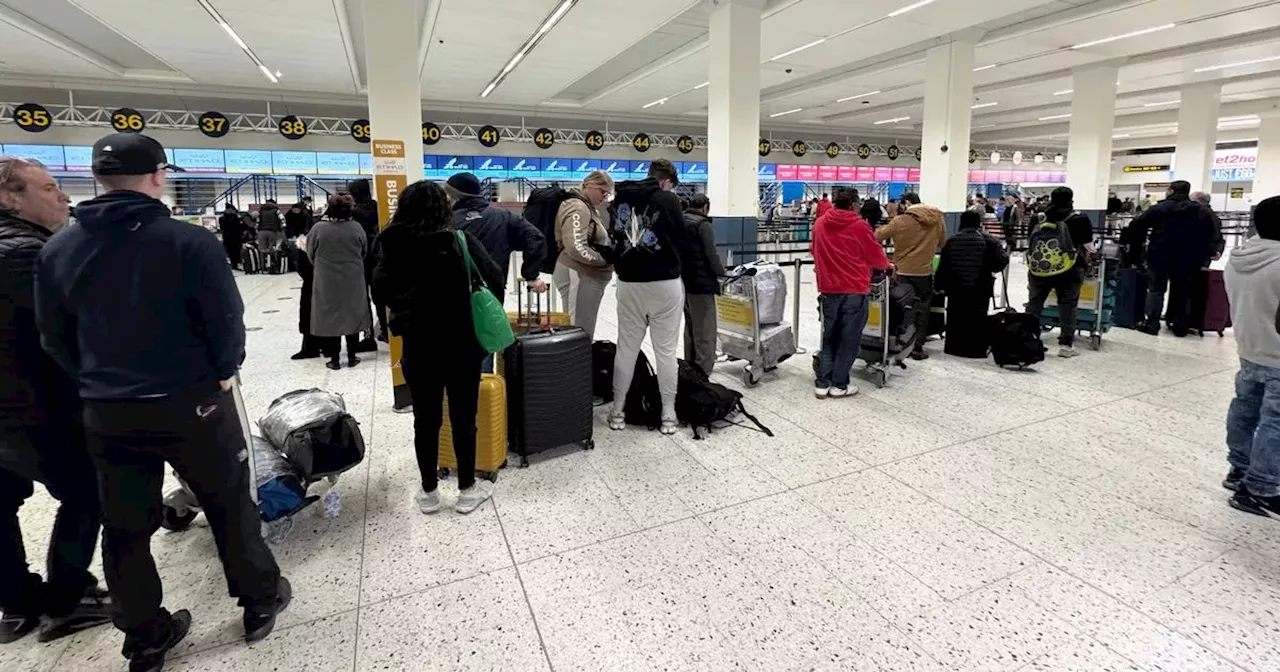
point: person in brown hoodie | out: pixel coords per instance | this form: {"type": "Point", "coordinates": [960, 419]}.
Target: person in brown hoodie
{"type": "Point", "coordinates": [582, 273]}
{"type": "Point", "coordinates": [917, 233]}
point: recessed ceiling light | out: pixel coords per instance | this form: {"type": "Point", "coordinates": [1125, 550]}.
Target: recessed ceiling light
{"type": "Point", "coordinates": [702, 86]}
{"type": "Point", "coordinates": [1163, 103]}
{"type": "Point", "coordinates": [914, 5]}
{"type": "Point", "coordinates": [1125, 36]}
{"type": "Point", "coordinates": [799, 49]}
{"type": "Point", "coordinates": [1239, 64]}
{"type": "Point", "coordinates": [1054, 116]}
{"type": "Point", "coordinates": [891, 121]}
{"type": "Point", "coordinates": [979, 106]}
{"type": "Point", "coordinates": [660, 101]}
{"type": "Point", "coordinates": [1063, 92]}
{"type": "Point", "coordinates": [1245, 117]}
{"type": "Point", "coordinates": [783, 114]}
{"type": "Point", "coordinates": [529, 44]}
{"type": "Point", "coordinates": [848, 98]}
{"type": "Point", "coordinates": [226, 27]}
{"type": "Point", "coordinates": [980, 68]}
{"type": "Point", "coordinates": [1119, 135]}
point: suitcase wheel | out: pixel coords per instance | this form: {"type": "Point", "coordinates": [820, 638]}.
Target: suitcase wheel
{"type": "Point", "coordinates": [589, 444]}
{"type": "Point", "coordinates": [1222, 334]}
{"type": "Point", "coordinates": [491, 476]}
{"type": "Point", "coordinates": [442, 473]}
{"type": "Point", "coordinates": [1095, 341]}
{"type": "Point", "coordinates": [524, 461]}
{"type": "Point", "coordinates": [174, 520]}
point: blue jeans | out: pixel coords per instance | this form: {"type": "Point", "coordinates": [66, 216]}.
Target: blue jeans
{"type": "Point", "coordinates": [843, 318]}
{"type": "Point", "coordinates": [1253, 429]}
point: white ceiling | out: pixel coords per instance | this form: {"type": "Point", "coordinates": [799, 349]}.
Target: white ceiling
{"type": "Point", "coordinates": [606, 59]}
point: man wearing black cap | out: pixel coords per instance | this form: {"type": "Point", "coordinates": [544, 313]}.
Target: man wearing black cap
{"type": "Point", "coordinates": [501, 231]}
{"type": "Point", "coordinates": [1182, 240]}
{"type": "Point", "coordinates": [142, 311]}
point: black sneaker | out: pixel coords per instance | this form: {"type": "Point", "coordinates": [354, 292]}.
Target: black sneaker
{"type": "Point", "coordinates": [16, 625]}
{"type": "Point", "coordinates": [152, 659]}
{"type": "Point", "coordinates": [1251, 503]}
{"type": "Point", "coordinates": [93, 610]}
{"type": "Point", "coordinates": [1232, 481]}
{"type": "Point", "coordinates": [1149, 328]}
{"type": "Point", "coordinates": [305, 354]}
{"type": "Point", "coordinates": [352, 360]}
{"type": "Point", "coordinates": [259, 624]}
{"type": "Point", "coordinates": [919, 355]}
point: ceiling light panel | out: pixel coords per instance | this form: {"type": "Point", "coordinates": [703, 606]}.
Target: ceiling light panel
{"type": "Point", "coordinates": [894, 120]}
{"type": "Point", "coordinates": [226, 27]}
{"type": "Point", "coordinates": [1124, 36]}
{"type": "Point", "coordinates": [1239, 64]}
{"type": "Point", "coordinates": [530, 43]}
{"type": "Point", "coordinates": [783, 114]}
{"type": "Point", "coordinates": [864, 95]}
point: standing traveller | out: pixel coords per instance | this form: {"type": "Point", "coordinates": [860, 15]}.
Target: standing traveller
{"type": "Point", "coordinates": [966, 273]}
{"type": "Point", "coordinates": [701, 269]}
{"type": "Point", "coordinates": [421, 276]}
{"type": "Point", "coordinates": [231, 228]}
{"type": "Point", "coordinates": [270, 228]}
{"type": "Point", "coordinates": [1056, 263]}
{"type": "Point", "coordinates": [917, 234]}
{"type": "Point", "coordinates": [1219, 243]}
{"type": "Point", "coordinates": [648, 221]}
{"type": "Point", "coordinates": [501, 231]}
{"type": "Point", "coordinates": [1181, 241]}
{"type": "Point", "coordinates": [297, 220]}
{"type": "Point", "coordinates": [365, 212]}
{"type": "Point", "coordinates": [144, 314]}
{"type": "Point", "coordinates": [582, 273]}
{"type": "Point", "coordinates": [339, 298]}
{"type": "Point", "coordinates": [824, 206]}
{"type": "Point", "coordinates": [1253, 421]}
{"type": "Point", "coordinates": [872, 212]}
{"type": "Point", "coordinates": [41, 435]}
{"type": "Point", "coordinates": [845, 252]}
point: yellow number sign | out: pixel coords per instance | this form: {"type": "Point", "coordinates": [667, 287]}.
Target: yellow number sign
{"type": "Point", "coordinates": [595, 140]}
{"type": "Point", "coordinates": [292, 127]}
{"type": "Point", "coordinates": [128, 120]}
{"type": "Point", "coordinates": [430, 133]}
{"type": "Point", "coordinates": [32, 118]}
{"type": "Point", "coordinates": [360, 130]}
{"type": "Point", "coordinates": [214, 124]}
{"type": "Point", "coordinates": [640, 143]}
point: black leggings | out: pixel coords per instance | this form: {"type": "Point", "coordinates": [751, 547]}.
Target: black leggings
{"type": "Point", "coordinates": [428, 378]}
{"type": "Point", "coordinates": [330, 346]}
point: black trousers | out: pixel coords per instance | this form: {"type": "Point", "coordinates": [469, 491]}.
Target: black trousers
{"type": "Point", "coordinates": [330, 346]}
{"type": "Point", "coordinates": [1067, 287]}
{"type": "Point", "coordinates": [428, 378]}
{"type": "Point", "coordinates": [1177, 281]}
{"type": "Point", "coordinates": [55, 456]}
{"type": "Point", "coordinates": [923, 285]}
{"type": "Point", "coordinates": [200, 435]}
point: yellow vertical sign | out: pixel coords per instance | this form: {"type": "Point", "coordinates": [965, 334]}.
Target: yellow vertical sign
{"type": "Point", "coordinates": [389, 180]}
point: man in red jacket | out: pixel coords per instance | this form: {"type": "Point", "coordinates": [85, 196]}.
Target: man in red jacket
{"type": "Point", "coordinates": [844, 253]}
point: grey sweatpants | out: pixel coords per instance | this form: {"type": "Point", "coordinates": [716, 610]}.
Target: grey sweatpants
{"type": "Point", "coordinates": [700, 330]}
{"type": "Point", "coordinates": [581, 295]}
{"type": "Point", "coordinates": [656, 307]}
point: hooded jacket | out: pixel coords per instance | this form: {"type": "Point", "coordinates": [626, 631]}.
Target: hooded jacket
{"type": "Point", "coordinates": [269, 218]}
{"type": "Point", "coordinates": [501, 232]}
{"type": "Point", "coordinates": [135, 304]}
{"type": "Point", "coordinates": [1180, 233]}
{"type": "Point", "coordinates": [650, 226]}
{"type": "Point", "coordinates": [34, 390]}
{"type": "Point", "coordinates": [700, 264]}
{"type": "Point", "coordinates": [366, 210]}
{"type": "Point", "coordinates": [578, 227]}
{"type": "Point", "coordinates": [917, 234]}
{"type": "Point", "coordinates": [844, 253]}
{"type": "Point", "coordinates": [1079, 227]}
{"type": "Point", "coordinates": [1253, 286]}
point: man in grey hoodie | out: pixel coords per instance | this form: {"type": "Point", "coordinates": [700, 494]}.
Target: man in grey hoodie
{"type": "Point", "coordinates": [1253, 422]}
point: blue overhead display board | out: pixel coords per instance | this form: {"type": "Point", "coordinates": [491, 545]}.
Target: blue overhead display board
{"type": "Point", "coordinates": [527, 167]}
{"type": "Point", "coordinates": [200, 160]}
{"type": "Point", "coordinates": [619, 169]}
{"type": "Point", "coordinates": [450, 165]}
{"type": "Point", "coordinates": [555, 169]}
{"type": "Point", "coordinates": [693, 171]}
{"type": "Point", "coordinates": [430, 167]}
{"type": "Point", "coordinates": [767, 172]}
{"type": "Point", "coordinates": [337, 163]}
{"type": "Point", "coordinates": [639, 169]}
{"type": "Point", "coordinates": [366, 164]}
{"type": "Point", "coordinates": [245, 161]}
{"type": "Point", "coordinates": [78, 158]}
{"type": "Point", "coordinates": [490, 166]}
{"type": "Point", "coordinates": [584, 167]}
{"type": "Point", "coordinates": [50, 155]}
{"type": "Point", "coordinates": [293, 163]}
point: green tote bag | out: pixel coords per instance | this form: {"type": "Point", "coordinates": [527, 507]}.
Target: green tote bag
{"type": "Point", "coordinates": [487, 314]}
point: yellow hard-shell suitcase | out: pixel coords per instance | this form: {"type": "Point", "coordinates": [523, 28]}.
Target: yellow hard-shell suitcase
{"type": "Point", "coordinates": [491, 430]}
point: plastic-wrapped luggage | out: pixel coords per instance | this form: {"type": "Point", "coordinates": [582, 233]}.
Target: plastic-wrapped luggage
{"type": "Point", "coordinates": [281, 490]}
{"type": "Point", "coordinates": [314, 431]}
{"type": "Point", "coordinates": [491, 430]}
{"type": "Point", "coordinates": [771, 290]}
{"type": "Point", "coordinates": [777, 343]}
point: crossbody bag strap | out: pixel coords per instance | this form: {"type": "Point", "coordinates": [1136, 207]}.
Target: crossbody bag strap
{"type": "Point", "coordinates": [470, 265]}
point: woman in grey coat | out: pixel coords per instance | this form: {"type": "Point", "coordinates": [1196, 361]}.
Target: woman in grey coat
{"type": "Point", "coordinates": [339, 299]}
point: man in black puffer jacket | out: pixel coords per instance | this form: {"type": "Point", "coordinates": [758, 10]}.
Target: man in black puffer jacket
{"type": "Point", "coordinates": [41, 437]}
{"type": "Point", "coordinates": [701, 270]}
{"type": "Point", "coordinates": [501, 231]}
{"type": "Point", "coordinates": [1182, 239]}
{"type": "Point", "coordinates": [969, 260]}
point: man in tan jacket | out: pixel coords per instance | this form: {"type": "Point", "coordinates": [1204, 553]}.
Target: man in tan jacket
{"type": "Point", "coordinates": [582, 272]}
{"type": "Point", "coordinates": [917, 234]}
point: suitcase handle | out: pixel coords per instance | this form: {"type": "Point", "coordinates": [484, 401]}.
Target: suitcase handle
{"type": "Point", "coordinates": [535, 315]}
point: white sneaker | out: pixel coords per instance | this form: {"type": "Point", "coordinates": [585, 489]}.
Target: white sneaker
{"type": "Point", "coordinates": [617, 421]}
{"type": "Point", "coordinates": [1067, 352]}
{"type": "Point", "coordinates": [821, 392]}
{"type": "Point", "coordinates": [668, 426]}
{"type": "Point", "coordinates": [836, 393]}
{"type": "Point", "coordinates": [470, 499]}
{"type": "Point", "coordinates": [428, 502]}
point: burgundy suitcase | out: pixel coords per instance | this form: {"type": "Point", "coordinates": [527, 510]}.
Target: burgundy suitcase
{"type": "Point", "coordinates": [1208, 308]}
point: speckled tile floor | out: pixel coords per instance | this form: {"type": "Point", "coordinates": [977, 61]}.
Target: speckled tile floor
{"type": "Point", "coordinates": [963, 518]}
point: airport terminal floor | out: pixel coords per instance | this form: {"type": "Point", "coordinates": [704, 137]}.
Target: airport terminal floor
{"type": "Point", "coordinates": [962, 518]}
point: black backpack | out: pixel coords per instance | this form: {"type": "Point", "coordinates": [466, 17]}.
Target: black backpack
{"type": "Point", "coordinates": [644, 401]}
{"type": "Point", "coordinates": [541, 210]}
{"type": "Point", "coordinates": [602, 354]}
{"type": "Point", "coordinates": [1015, 339]}
{"type": "Point", "coordinates": [701, 403]}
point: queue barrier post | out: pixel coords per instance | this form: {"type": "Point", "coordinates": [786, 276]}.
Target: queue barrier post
{"type": "Point", "coordinates": [795, 308]}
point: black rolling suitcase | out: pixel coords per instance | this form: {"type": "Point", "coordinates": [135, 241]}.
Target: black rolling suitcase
{"type": "Point", "coordinates": [549, 390]}
{"type": "Point", "coordinates": [1131, 298]}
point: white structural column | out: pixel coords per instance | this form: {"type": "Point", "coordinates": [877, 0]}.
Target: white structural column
{"type": "Point", "coordinates": [948, 96]}
{"type": "Point", "coordinates": [1266, 181]}
{"type": "Point", "coordinates": [733, 108]}
{"type": "Point", "coordinates": [392, 37]}
{"type": "Point", "coordinates": [1093, 117]}
{"type": "Point", "coordinates": [1197, 134]}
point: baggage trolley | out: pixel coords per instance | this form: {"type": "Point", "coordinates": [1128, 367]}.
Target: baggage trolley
{"type": "Point", "coordinates": [877, 334]}
{"type": "Point", "coordinates": [738, 325]}
{"type": "Point", "coordinates": [1096, 306]}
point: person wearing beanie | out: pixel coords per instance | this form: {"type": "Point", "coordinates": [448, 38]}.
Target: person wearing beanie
{"type": "Point", "coordinates": [970, 260]}
{"type": "Point", "coordinates": [1065, 285]}
{"type": "Point", "coordinates": [1181, 240]}
{"type": "Point", "coordinates": [1253, 421]}
{"type": "Point", "coordinates": [365, 213]}
{"type": "Point", "coordinates": [500, 231]}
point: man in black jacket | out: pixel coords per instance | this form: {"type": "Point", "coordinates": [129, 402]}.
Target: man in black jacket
{"type": "Point", "coordinates": [232, 230]}
{"type": "Point", "coordinates": [366, 214]}
{"type": "Point", "coordinates": [270, 228]}
{"type": "Point", "coordinates": [1181, 240]}
{"type": "Point", "coordinates": [701, 270]}
{"type": "Point", "coordinates": [968, 263]}
{"type": "Point", "coordinates": [143, 312]}
{"type": "Point", "coordinates": [1065, 285]}
{"type": "Point", "coordinates": [501, 231]}
{"type": "Point", "coordinates": [41, 438]}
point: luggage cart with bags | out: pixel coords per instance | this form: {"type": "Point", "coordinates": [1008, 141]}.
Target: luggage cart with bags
{"type": "Point", "coordinates": [743, 337]}
{"type": "Point", "coordinates": [886, 344]}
